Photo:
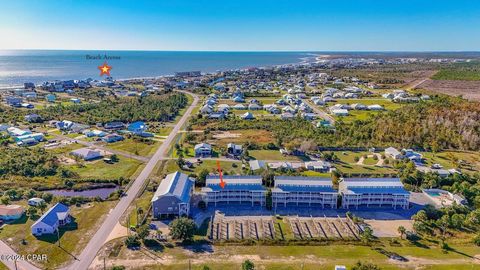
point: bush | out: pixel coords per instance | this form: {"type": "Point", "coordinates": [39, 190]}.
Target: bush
{"type": "Point", "coordinates": [182, 229]}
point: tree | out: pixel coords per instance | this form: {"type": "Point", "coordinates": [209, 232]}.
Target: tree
{"type": "Point", "coordinates": [402, 231]}
{"type": "Point", "coordinates": [47, 197]}
{"type": "Point", "coordinates": [367, 235]}
{"type": "Point", "coordinates": [205, 267]}
{"type": "Point", "coordinates": [118, 267]}
{"type": "Point", "coordinates": [182, 229]}
{"type": "Point", "coordinates": [476, 240]}
{"type": "Point", "coordinates": [114, 158]}
{"type": "Point", "coordinates": [180, 161]}
{"type": "Point", "coordinates": [31, 212]}
{"type": "Point", "coordinates": [42, 206]}
{"type": "Point", "coordinates": [268, 200]}
{"type": "Point", "coordinates": [365, 266]}
{"type": "Point", "coordinates": [248, 265]}
{"type": "Point", "coordinates": [139, 214]}
{"type": "Point", "coordinates": [5, 200]}
{"type": "Point", "coordinates": [132, 241]}
{"type": "Point", "coordinates": [143, 232]}
{"type": "Point", "coordinates": [202, 176]}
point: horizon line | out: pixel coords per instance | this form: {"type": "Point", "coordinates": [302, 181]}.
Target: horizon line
{"type": "Point", "coordinates": [300, 51]}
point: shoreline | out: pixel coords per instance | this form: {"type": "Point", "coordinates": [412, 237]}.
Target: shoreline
{"type": "Point", "coordinates": [310, 58]}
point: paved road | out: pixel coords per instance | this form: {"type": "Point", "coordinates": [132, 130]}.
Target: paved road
{"type": "Point", "coordinates": [20, 264]}
{"type": "Point", "coordinates": [117, 152]}
{"type": "Point", "coordinates": [320, 112]}
{"type": "Point", "coordinates": [90, 251]}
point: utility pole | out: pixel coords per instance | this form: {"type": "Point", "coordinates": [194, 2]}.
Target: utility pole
{"type": "Point", "coordinates": [104, 264]}
{"type": "Point", "coordinates": [58, 236]}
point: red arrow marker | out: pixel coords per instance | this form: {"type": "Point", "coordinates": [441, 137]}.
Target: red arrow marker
{"type": "Point", "coordinates": [222, 183]}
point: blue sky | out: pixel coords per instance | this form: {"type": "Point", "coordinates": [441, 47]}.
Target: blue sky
{"type": "Point", "coordinates": [231, 25]}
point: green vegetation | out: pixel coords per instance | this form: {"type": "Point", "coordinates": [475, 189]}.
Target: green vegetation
{"type": "Point", "coordinates": [182, 229]}
{"type": "Point", "coordinates": [459, 72]}
{"type": "Point", "coordinates": [125, 167]}
{"type": "Point", "coordinates": [28, 162]}
{"type": "Point", "coordinates": [72, 238]}
{"type": "Point", "coordinates": [150, 108]}
{"type": "Point", "coordinates": [136, 146]}
{"type": "Point", "coordinates": [430, 125]}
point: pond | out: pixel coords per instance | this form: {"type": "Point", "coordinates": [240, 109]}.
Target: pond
{"type": "Point", "coordinates": [90, 193]}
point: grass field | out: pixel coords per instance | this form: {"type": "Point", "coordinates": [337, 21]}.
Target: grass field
{"type": "Point", "coordinates": [136, 147]}
{"type": "Point", "coordinates": [459, 72]}
{"type": "Point", "coordinates": [427, 256]}
{"type": "Point", "coordinates": [3, 266]}
{"type": "Point", "coordinates": [234, 167]}
{"type": "Point", "coordinates": [347, 164]}
{"type": "Point", "coordinates": [99, 169]}
{"type": "Point", "coordinates": [452, 159]}
{"type": "Point", "coordinates": [270, 155]}
{"type": "Point", "coordinates": [73, 238]}
{"type": "Point", "coordinates": [363, 114]}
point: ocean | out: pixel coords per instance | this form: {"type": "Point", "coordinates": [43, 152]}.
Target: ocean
{"type": "Point", "coordinates": [19, 66]}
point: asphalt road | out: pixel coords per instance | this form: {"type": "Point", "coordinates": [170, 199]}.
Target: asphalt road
{"type": "Point", "coordinates": [96, 242]}
{"type": "Point", "coordinates": [11, 264]}
{"type": "Point", "coordinates": [320, 112]}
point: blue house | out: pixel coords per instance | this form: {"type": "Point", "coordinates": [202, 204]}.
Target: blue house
{"type": "Point", "coordinates": [239, 99]}
{"type": "Point", "coordinates": [55, 217]}
{"type": "Point", "coordinates": [137, 127]}
{"type": "Point", "coordinates": [50, 97]}
{"type": "Point", "coordinates": [112, 138]}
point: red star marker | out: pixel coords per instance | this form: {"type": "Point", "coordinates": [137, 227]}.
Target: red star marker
{"type": "Point", "coordinates": [222, 183]}
{"type": "Point", "coordinates": [105, 69]}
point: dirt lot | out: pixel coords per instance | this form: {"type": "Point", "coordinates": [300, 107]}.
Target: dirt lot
{"type": "Point", "coordinates": [468, 89]}
{"type": "Point", "coordinates": [388, 228]}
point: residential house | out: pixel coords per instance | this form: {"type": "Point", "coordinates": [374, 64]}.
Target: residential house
{"type": "Point", "coordinates": [111, 138]}
{"type": "Point", "coordinates": [113, 125]}
{"type": "Point", "coordinates": [138, 127]}
{"type": "Point", "coordinates": [238, 189]}
{"type": "Point", "coordinates": [318, 166]}
{"type": "Point", "coordinates": [13, 101]}
{"type": "Point", "coordinates": [392, 152]}
{"type": "Point", "coordinates": [11, 212]}
{"type": "Point", "coordinates": [173, 196]}
{"type": "Point", "coordinates": [375, 107]}
{"type": "Point", "coordinates": [299, 190]}
{"type": "Point", "coordinates": [257, 165]}
{"type": "Point", "coordinates": [339, 112]}
{"type": "Point", "coordinates": [248, 116]}
{"type": "Point", "coordinates": [50, 97]}
{"type": "Point", "coordinates": [203, 150]}
{"type": "Point", "coordinates": [239, 107]}
{"type": "Point", "coordinates": [35, 201]}
{"type": "Point", "coordinates": [87, 153]}
{"type": "Point", "coordinates": [33, 118]}
{"type": "Point", "coordinates": [49, 223]}
{"type": "Point", "coordinates": [234, 150]}
{"type": "Point", "coordinates": [373, 192]}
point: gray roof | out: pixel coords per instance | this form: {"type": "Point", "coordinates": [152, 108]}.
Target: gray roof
{"type": "Point", "coordinates": [176, 184]}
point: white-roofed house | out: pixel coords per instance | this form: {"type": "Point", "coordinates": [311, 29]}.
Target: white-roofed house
{"type": "Point", "coordinates": [203, 150]}
{"type": "Point", "coordinates": [86, 153]}
{"type": "Point", "coordinates": [237, 189]}
{"type": "Point", "coordinates": [373, 192]}
{"type": "Point", "coordinates": [304, 190]}
{"type": "Point", "coordinates": [393, 153]}
{"type": "Point", "coordinates": [173, 195]}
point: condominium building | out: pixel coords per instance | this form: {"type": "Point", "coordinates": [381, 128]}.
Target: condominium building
{"type": "Point", "coordinates": [373, 192]}
{"type": "Point", "coordinates": [237, 189]}
{"type": "Point", "coordinates": [299, 190]}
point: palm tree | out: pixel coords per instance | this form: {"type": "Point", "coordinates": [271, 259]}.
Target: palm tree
{"type": "Point", "coordinates": [402, 231]}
